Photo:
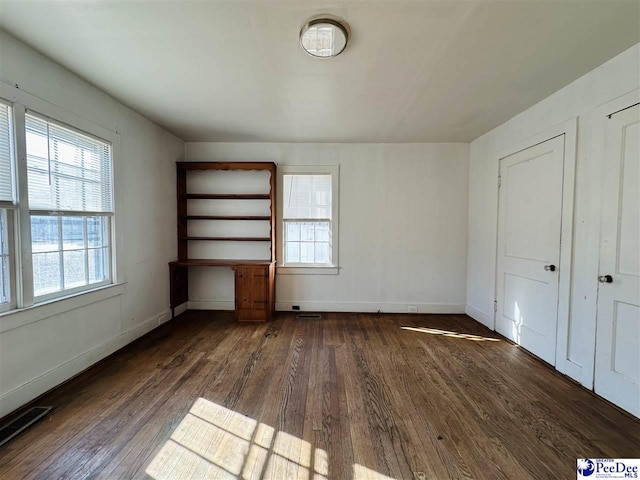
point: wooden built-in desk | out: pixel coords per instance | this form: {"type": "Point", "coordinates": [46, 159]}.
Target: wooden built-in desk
{"type": "Point", "coordinates": [254, 285]}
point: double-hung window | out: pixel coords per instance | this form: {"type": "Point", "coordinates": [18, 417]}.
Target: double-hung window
{"type": "Point", "coordinates": [70, 204]}
{"type": "Point", "coordinates": [309, 215]}
{"type": "Point", "coordinates": [56, 205]}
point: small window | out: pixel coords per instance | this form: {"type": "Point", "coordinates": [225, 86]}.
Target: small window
{"type": "Point", "coordinates": [309, 217]}
{"type": "Point", "coordinates": [70, 200]}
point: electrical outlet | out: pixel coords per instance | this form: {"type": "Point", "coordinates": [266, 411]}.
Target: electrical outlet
{"type": "Point", "coordinates": [295, 307]}
{"type": "Point", "coordinates": [412, 309]}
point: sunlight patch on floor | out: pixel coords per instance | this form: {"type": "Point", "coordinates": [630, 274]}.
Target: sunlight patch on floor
{"type": "Point", "coordinates": [176, 461]}
{"type": "Point", "coordinates": [446, 333]}
{"type": "Point", "coordinates": [214, 442]}
{"type": "Point", "coordinates": [364, 473]}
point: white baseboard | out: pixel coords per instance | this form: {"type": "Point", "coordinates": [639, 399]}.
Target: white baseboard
{"type": "Point", "coordinates": [23, 394]}
{"type": "Point", "coordinates": [181, 308]}
{"type": "Point", "coordinates": [483, 318]}
{"type": "Point", "coordinates": [366, 307]}
{"type": "Point", "coordinates": [338, 306]}
{"type": "Point", "coordinates": [212, 305]}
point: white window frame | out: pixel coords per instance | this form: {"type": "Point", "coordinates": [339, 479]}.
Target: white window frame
{"type": "Point", "coordinates": [11, 238]}
{"type": "Point", "coordinates": [306, 269]}
{"type": "Point", "coordinates": [10, 207]}
{"type": "Point", "coordinates": [59, 214]}
{"type": "Point", "coordinates": [22, 289]}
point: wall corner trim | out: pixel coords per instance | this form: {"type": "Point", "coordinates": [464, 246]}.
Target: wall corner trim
{"type": "Point", "coordinates": [483, 318]}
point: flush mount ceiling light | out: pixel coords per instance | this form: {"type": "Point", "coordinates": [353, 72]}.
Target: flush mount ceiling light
{"type": "Point", "coordinates": [324, 36]}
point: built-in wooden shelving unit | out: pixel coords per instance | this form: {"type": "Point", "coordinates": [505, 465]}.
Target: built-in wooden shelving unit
{"type": "Point", "coordinates": [254, 279]}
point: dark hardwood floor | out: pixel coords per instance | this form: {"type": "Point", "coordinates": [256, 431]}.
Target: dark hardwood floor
{"type": "Point", "coordinates": [350, 396]}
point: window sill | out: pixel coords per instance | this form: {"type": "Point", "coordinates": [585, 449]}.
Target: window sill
{"type": "Point", "coordinates": [283, 270]}
{"type": "Point", "coordinates": [24, 316]}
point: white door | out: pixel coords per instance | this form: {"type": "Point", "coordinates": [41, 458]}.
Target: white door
{"type": "Point", "coordinates": [528, 257]}
{"type": "Point", "coordinates": [617, 370]}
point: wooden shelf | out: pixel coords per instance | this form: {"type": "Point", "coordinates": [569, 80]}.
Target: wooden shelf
{"type": "Point", "coordinates": [218, 262]}
{"type": "Point", "coordinates": [227, 196]}
{"type": "Point", "coordinates": [183, 166]}
{"type": "Point", "coordinates": [228, 217]}
{"type": "Point", "coordinates": [231, 239]}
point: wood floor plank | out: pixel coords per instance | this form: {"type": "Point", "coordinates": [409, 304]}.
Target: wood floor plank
{"type": "Point", "coordinates": [491, 414]}
{"type": "Point", "coordinates": [111, 434]}
{"type": "Point", "coordinates": [363, 450]}
{"type": "Point", "coordinates": [373, 395]}
{"type": "Point", "coordinates": [401, 366]}
{"type": "Point", "coordinates": [150, 438]}
{"type": "Point", "coordinates": [100, 404]}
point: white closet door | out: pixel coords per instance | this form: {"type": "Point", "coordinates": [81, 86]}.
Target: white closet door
{"type": "Point", "coordinates": [529, 227]}
{"type": "Point", "coordinates": [617, 369]}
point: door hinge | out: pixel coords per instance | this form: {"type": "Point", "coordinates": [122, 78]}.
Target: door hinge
{"type": "Point", "coordinates": [499, 181]}
{"type": "Point", "coordinates": [495, 306]}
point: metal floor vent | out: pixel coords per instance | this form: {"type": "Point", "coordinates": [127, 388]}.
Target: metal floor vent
{"type": "Point", "coordinates": [306, 316]}
{"type": "Point", "coordinates": [24, 421]}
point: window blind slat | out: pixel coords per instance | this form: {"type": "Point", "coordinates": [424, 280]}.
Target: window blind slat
{"type": "Point", "coordinates": [307, 196]}
{"type": "Point", "coordinates": [6, 175]}
{"type": "Point", "coordinates": [68, 170]}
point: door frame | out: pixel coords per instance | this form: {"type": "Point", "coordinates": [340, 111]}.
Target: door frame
{"type": "Point", "coordinates": [569, 130]}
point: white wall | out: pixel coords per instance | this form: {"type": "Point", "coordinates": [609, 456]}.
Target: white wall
{"type": "Point", "coordinates": [403, 228]}
{"type": "Point", "coordinates": [43, 346]}
{"type": "Point", "coordinates": [577, 100]}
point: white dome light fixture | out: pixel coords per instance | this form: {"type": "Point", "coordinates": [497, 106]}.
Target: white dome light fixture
{"type": "Point", "coordinates": [324, 36]}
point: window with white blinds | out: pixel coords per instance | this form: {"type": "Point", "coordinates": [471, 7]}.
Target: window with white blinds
{"type": "Point", "coordinates": [307, 217]}
{"type": "Point", "coordinates": [67, 170]}
{"type": "Point", "coordinates": [69, 174]}
{"type": "Point", "coordinates": [307, 196]}
{"type": "Point", "coordinates": [59, 229]}
{"type": "Point", "coordinates": [6, 155]}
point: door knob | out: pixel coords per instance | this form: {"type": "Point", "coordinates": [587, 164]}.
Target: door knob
{"type": "Point", "coordinates": [550, 268]}
{"type": "Point", "coordinates": [605, 279]}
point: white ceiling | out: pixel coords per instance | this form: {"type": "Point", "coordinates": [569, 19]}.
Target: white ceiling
{"type": "Point", "coordinates": [415, 71]}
